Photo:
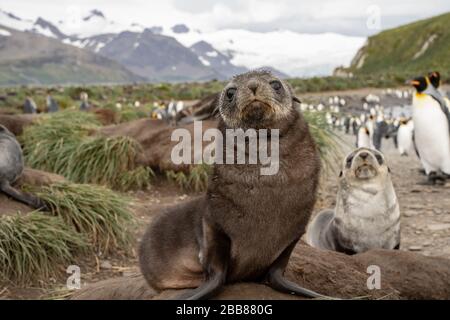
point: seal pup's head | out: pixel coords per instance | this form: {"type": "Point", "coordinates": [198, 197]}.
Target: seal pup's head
{"type": "Point", "coordinates": [257, 99]}
{"type": "Point", "coordinates": [363, 164]}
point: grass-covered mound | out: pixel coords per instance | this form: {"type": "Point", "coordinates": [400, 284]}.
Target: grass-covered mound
{"type": "Point", "coordinates": [84, 219]}
{"type": "Point", "coordinates": [61, 143]}
{"type": "Point", "coordinates": [96, 213]}
{"type": "Point", "coordinates": [35, 247]}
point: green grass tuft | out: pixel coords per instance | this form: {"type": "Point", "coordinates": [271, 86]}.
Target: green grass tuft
{"type": "Point", "coordinates": [61, 144]}
{"type": "Point", "coordinates": [97, 213]}
{"type": "Point", "coordinates": [327, 140]}
{"type": "Point", "coordinates": [35, 247]}
{"type": "Point", "coordinates": [109, 162]}
{"type": "Point", "coordinates": [196, 180]}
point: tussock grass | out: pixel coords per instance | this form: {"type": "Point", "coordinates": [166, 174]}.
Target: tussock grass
{"type": "Point", "coordinates": [130, 115]}
{"type": "Point", "coordinates": [61, 144]}
{"type": "Point", "coordinates": [327, 140]}
{"type": "Point", "coordinates": [196, 180]}
{"type": "Point", "coordinates": [108, 161]}
{"type": "Point", "coordinates": [35, 247]}
{"type": "Point", "coordinates": [96, 213]}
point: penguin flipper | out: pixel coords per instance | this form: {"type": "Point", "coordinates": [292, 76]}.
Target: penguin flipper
{"type": "Point", "coordinates": [436, 95]}
{"type": "Point", "coordinates": [414, 145]}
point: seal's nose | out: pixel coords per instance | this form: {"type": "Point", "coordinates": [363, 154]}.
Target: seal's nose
{"type": "Point", "coordinates": [364, 155]}
{"type": "Point", "coordinates": [253, 86]}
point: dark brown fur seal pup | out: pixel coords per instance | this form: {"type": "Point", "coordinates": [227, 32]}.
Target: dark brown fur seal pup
{"type": "Point", "coordinates": [11, 167]}
{"type": "Point", "coordinates": [367, 214]}
{"type": "Point", "coordinates": [247, 225]}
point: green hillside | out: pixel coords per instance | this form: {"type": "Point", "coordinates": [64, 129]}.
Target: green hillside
{"type": "Point", "coordinates": [411, 49]}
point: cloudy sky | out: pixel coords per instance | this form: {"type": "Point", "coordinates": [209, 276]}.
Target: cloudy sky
{"type": "Point", "coordinates": [351, 17]}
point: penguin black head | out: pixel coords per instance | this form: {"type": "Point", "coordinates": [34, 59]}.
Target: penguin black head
{"type": "Point", "coordinates": [420, 83]}
{"type": "Point", "coordinates": [435, 78]}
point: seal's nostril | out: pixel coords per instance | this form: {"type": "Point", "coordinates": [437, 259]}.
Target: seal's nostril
{"type": "Point", "coordinates": [363, 155]}
{"type": "Point", "coordinates": [253, 86]}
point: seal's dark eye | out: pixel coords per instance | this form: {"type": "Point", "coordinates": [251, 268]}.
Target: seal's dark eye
{"type": "Point", "coordinates": [276, 85]}
{"type": "Point", "coordinates": [230, 93]}
{"type": "Point", "coordinates": [379, 158]}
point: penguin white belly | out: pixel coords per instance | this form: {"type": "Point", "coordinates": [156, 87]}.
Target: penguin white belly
{"type": "Point", "coordinates": [404, 139]}
{"type": "Point", "coordinates": [363, 139]}
{"type": "Point", "coordinates": [431, 135]}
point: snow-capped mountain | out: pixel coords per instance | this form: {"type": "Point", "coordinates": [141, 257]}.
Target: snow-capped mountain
{"type": "Point", "coordinates": [92, 24]}
{"type": "Point", "coordinates": [179, 52]}
{"type": "Point", "coordinates": [293, 53]}
{"type": "Point", "coordinates": [10, 20]}
{"type": "Point", "coordinates": [211, 57]}
{"type": "Point", "coordinates": [152, 56]}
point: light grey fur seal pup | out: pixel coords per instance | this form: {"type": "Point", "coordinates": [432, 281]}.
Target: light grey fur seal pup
{"type": "Point", "coordinates": [367, 214]}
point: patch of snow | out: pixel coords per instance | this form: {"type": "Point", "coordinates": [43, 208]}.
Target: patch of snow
{"type": "Point", "coordinates": [99, 46]}
{"type": "Point", "coordinates": [425, 46]}
{"type": "Point", "coordinates": [136, 44]}
{"type": "Point", "coordinates": [5, 33]}
{"type": "Point", "coordinates": [9, 20]}
{"type": "Point", "coordinates": [204, 61]}
{"type": "Point", "coordinates": [92, 24]}
{"type": "Point", "coordinates": [212, 54]}
{"type": "Point", "coordinates": [43, 31]}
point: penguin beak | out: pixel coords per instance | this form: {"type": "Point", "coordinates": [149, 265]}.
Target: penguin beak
{"type": "Point", "coordinates": [413, 82]}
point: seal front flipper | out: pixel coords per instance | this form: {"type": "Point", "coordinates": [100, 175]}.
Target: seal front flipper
{"type": "Point", "coordinates": [277, 282]}
{"type": "Point", "coordinates": [215, 259]}
{"type": "Point", "coordinates": [25, 198]}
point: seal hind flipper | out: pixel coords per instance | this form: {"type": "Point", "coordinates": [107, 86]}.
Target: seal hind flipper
{"type": "Point", "coordinates": [216, 256]}
{"type": "Point", "coordinates": [25, 198]}
{"type": "Point", "coordinates": [277, 281]}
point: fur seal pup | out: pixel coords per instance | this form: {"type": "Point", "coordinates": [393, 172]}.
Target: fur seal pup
{"type": "Point", "coordinates": [11, 168]}
{"type": "Point", "coordinates": [367, 214]}
{"type": "Point", "coordinates": [247, 224]}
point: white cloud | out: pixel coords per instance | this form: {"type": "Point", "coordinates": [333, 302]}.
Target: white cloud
{"type": "Point", "coordinates": [313, 16]}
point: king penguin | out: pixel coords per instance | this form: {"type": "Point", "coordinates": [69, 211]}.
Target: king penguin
{"type": "Point", "coordinates": [431, 130]}
{"type": "Point", "coordinates": [363, 139]}
{"type": "Point", "coordinates": [405, 136]}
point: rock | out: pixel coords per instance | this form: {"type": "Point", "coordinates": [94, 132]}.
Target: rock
{"type": "Point", "coordinates": [427, 243]}
{"type": "Point", "coordinates": [106, 265]}
{"type": "Point", "coordinates": [409, 214]}
{"type": "Point", "coordinates": [439, 226]}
